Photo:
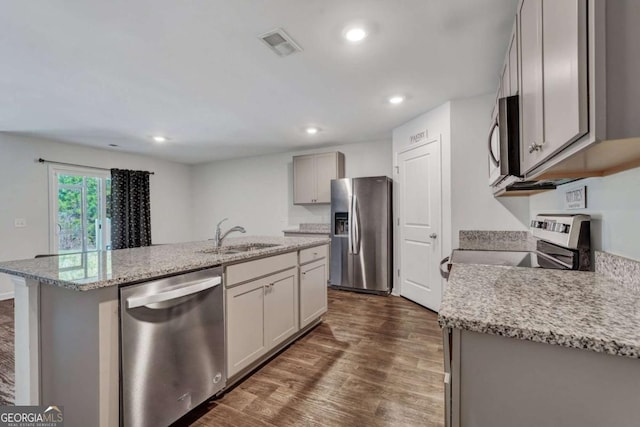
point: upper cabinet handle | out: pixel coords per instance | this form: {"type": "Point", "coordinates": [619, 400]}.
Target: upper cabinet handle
{"type": "Point", "coordinates": [534, 147]}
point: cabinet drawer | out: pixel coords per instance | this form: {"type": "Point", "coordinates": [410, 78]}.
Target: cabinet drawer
{"type": "Point", "coordinates": [239, 273]}
{"type": "Point", "coordinates": [312, 254]}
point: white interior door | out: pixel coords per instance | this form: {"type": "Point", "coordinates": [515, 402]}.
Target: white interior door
{"type": "Point", "coordinates": [420, 224]}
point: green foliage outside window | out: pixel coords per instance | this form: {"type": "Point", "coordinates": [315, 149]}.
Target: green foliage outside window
{"type": "Point", "coordinates": [70, 211]}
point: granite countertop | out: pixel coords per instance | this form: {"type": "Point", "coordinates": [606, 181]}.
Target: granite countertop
{"type": "Point", "coordinates": [92, 270]}
{"type": "Point", "coordinates": [310, 228]}
{"type": "Point", "coordinates": [583, 310]}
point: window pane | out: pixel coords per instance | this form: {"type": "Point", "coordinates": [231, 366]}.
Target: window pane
{"type": "Point", "coordinates": [69, 180]}
{"type": "Point", "coordinates": [93, 213]}
{"type": "Point", "coordinates": [70, 232]}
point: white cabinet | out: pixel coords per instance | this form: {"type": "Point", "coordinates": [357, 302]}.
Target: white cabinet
{"type": "Point", "coordinates": [260, 315]}
{"type": "Point", "coordinates": [312, 175]}
{"type": "Point", "coordinates": [313, 285]}
{"type": "Point", "coordinates": [267, 303]}
{"type": "Point", "coordinates": [246, 341]}
{"type": "Point", "coordinates": [281, 307]}
{"type": "Point", "coordinates": [553, 49]}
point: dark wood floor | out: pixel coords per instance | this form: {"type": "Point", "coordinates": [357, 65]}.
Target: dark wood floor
{"type": "Point", "coordinates": [375, 361]}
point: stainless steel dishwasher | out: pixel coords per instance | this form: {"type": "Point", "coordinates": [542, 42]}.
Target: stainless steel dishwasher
{"type": "Point", "coordinates": [173, 357]}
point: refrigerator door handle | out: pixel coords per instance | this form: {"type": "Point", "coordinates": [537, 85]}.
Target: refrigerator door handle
{"type": "Point", "coordinates": [356, 226]}
{"type": "Point", "coordinates": [350, 224]}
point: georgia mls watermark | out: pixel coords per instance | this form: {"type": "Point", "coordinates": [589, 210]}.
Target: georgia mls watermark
{"type": "Point", "coordinates": [31, 416]}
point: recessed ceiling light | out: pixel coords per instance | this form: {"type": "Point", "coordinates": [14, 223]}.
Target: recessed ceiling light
{"type": "Point", "coordinates": [312, 130]}
{"type": "Point", "coordinates": [397, 99]}
{"type": "Point", "coordinates": [355, 34]}
{"type": "Point", "coordinates": [159, 138]}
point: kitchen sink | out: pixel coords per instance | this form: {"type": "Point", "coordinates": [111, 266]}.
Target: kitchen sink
{"type": "Point", "coordinates": [236, 249]}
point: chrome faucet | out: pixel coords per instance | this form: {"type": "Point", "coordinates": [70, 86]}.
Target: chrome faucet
{"type": "Point", "coordinates": [219, 237]}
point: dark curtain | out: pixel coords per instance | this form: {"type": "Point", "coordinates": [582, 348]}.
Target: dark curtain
{"type": "Point", "coordinates": [130, 209]}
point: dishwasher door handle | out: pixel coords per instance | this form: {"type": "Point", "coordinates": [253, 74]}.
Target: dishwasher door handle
{"type": "Point", "coordinates": [183, 291]}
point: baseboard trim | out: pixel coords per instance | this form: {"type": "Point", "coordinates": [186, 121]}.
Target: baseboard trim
{"type": "Point", "coordinates": [6, 295]}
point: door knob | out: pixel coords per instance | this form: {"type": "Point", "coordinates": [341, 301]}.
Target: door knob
{"type": "Point", "coordinates": [433, 235]}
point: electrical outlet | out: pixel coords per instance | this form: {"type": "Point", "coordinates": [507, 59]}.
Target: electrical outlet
{"type": "Point", "coordinates": [20, 223]}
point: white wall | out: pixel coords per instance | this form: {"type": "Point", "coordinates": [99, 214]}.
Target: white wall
{"type": "Point", "coordinates": [614, 204]}
{"type": "Point", "coordinates": [473, 206]}
{"type": "Point", "coordinates": [257, 192]}
{"type": "Point", "coordinates": [24, 193]}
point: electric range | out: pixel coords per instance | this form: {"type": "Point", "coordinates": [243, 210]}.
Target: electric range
{"type": "Point", "coordinates": [562, 242]}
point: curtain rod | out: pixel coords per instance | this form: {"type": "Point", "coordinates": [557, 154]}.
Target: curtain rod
{"type": "Point", "coordinates": [41, 160]}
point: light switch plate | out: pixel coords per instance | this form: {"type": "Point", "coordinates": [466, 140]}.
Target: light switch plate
{"type": "Point", "coordinates": [576, 198]}
{"type": "Point", "coordinates": [20, 222]}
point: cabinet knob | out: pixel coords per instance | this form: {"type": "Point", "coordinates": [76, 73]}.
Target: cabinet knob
{"type": "Point", "coordinates": [534, 147]}
{"type": "Point", "coordinates": [433, 235]}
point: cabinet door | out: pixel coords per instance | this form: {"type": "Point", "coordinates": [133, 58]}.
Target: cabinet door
{"type": "Point", "coordinates": [564, 47]}
{"type": "Point", "coordinates": [313, 291]}
{"type": "Point", "coordinates": [304, 179]}
{"type": "Point", "coordinates": [506, 83]}
{"type": "Point", "coordinates": [281, 307]}
{"type": "Point", "coordinates": [326, 170]}
{"type": "Point", "coordinates": [513, 63]}
{"type": "Point", "coordinates": [246, 341]}
{"type": "Point", "coordinates": [530, 25]}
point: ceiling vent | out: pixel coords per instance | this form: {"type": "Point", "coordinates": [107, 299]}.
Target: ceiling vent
{"type": "Point", "coordinates": [280, 42]}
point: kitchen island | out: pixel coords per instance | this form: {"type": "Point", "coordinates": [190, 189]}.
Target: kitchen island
{"type": "Point", "coordinates": [531, 347]}
{"type": "Point", "coordinates": [67, 312]}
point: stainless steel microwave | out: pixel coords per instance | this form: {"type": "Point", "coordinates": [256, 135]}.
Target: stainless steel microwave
{"type": "Point", "coordinates": [504, 141]}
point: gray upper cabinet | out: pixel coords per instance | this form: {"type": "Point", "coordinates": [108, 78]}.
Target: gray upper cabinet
{"type": "Point", "coordinates": [304, 179]}
{"type": "Point", "coordinates": [564, 72]}
{"type": "Point", "coordinates": [553, 55]}
{"type": "Point", "coordinates": [506, 83]}
{"type": "Point", "coordinates": [513, 62]}
{"type": "Point", "coordinates": [312, 175]}
{"type": "Point", "coordinates": [574, 68]}
{"type": "Point", "coordinates": [531, 128]}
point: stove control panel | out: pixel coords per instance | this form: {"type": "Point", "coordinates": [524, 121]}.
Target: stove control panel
{"type": "Point", "coordinates": [563, 230]}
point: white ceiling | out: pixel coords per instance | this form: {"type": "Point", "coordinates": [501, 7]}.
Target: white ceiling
{"type": "Point", "coordinates": [117, 72]}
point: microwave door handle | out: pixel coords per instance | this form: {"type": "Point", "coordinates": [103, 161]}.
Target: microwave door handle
{"type": "Point", "coordinates": [491, 155]}
{"type": "Point", "coordinates": [191, 288]}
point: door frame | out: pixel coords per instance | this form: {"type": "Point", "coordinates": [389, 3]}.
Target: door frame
{"type": "Point", "coordinates": [53, 171]}
{"type": "Point", "coordinates": [397, 287]}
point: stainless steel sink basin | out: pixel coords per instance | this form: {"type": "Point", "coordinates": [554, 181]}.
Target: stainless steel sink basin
{"type": "Point", "coordinates": [236, 249]}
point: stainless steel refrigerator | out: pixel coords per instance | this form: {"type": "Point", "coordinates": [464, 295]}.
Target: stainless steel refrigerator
{"type": "Point", "coordinates": [361, 234]}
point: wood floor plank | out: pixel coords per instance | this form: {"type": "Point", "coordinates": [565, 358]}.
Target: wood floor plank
{"type": "Point", "coordinates": [374, 361]}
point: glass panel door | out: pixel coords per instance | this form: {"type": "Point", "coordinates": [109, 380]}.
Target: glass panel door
{"type": "Point", "coordinates": [70, 219]}
{"type": "Point", "coordinates": [81, 219]}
